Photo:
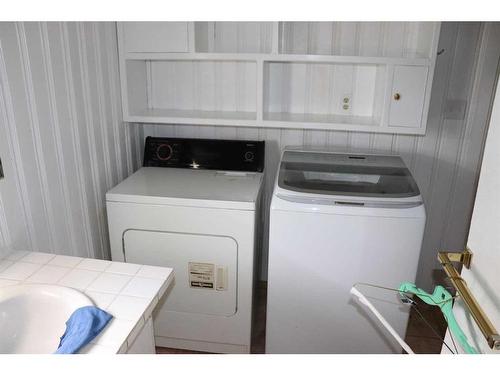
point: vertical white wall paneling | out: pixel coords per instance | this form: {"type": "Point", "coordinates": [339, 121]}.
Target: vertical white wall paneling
{"type": "Point", "coordinates": [45, 164]}
{"type": "Point", "coordinates": [484, 238]}
{"type": "Point", "coordinates": [74, 137]}
{"type": "Point", "coordinates": [197, 88]}
{"type": "Point", "coordinates": [118, 128]}
{"type": "Point", "coordinates": [62, 139]}
{"type": "Point", "coordinates": [233, 37]}
{"type": "Point", "coordinates": [90, 104]}
{"type": "Point", "coordinates": [65, 202]}
{"type": "Point", "coordinates": [469, 161]}
{"type": "Point", "coordinates": [447, 154]}
{"type": "Point", "coordinates": [129, 147]}
{"type": "Point", "coordinates": [21, 134]}
{"type": "Point", "coordinates": [461, 66]}
{"type": "Point", "coordinates": [19, 231]}
{"type": "Point", "coordinates": [4, 229]}
{"type": "Point", "coordinates": [67, 129]}
{"type": "Point", "coordinates": [393, 39]}
{"type": "Point", "coordinates": [83, 133]}
{"type": "Point", "coordinates": [157, 36]}
{"type": "Point", "coordinates": [103, 105]}
{"type": "Point", "coordinates": [137, 139]}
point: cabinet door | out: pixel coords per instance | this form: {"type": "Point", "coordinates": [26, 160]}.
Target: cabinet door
{"type": "Point", "coordinates": [155, 36]}
{"type": "Point", "coordinates": [407, 96]}
{"type": "Point", "coordinates": [205, 268]}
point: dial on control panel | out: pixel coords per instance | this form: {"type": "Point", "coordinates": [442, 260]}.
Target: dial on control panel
{"type": "Point", "coordinates": [164, 151]}
{"type": "Point", "coordinates": [249, 156]}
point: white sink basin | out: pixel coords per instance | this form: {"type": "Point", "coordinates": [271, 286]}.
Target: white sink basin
{"type": "Point", "coordinates": [33, 316]}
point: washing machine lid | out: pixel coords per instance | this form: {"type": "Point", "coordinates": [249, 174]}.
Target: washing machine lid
{"type": "Point", "coordinates": [354, 175]}
{"type": "Point", "coordinates": [187, 187]}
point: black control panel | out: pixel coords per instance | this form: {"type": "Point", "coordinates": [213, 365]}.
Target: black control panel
{"type": "Point", "coordinates": [227, 155]}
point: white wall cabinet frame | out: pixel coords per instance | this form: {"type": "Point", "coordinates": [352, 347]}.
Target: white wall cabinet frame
{"type": "Point", "coordinates": [408, 93]}
{"type": "Point", "coordinates": [242, 82]}
{"type": "Point", "coordinates": [156, 36]}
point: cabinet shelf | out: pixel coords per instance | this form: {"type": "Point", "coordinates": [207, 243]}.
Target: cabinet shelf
{"type": "Point", "coordinates": [318, 118]}
{"type": "Point", "coordinates": [200, 56]}
{"type": "Point", "coordinates": [279, 120]}
{"type": "Point", "coordinates": [154, 115]}
{"type": "Point", "coordinates": [269, 57]}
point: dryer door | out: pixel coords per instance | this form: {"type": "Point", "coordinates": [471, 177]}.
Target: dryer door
{"type": "Point", "coordinates": [204, 268]}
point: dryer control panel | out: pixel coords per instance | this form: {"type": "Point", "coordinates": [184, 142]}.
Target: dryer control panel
{"type": "Point", "coordinates": [217, 154]}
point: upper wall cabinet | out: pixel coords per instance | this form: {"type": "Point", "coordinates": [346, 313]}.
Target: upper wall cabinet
{"type": "Point", "coordinates": [353, 76]}
{"type": "Point", "coordinates": [233, 37]}
{"type": "Point", "coordinates": [156, 36]}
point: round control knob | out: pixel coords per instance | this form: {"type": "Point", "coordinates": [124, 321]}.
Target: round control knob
{"type": "Point", "coordinates": [249, 156]}
{"type": "Point", "coordinates": [164, 152]}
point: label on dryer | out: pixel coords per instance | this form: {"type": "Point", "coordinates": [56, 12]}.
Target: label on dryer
{"type": "Point", "coordinates": [201, 275]}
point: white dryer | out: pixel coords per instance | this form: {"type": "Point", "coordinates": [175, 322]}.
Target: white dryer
{"type": "Point", "coordinates": [337, 219]}
{"type": "Point", "coordinates": [193, 207]}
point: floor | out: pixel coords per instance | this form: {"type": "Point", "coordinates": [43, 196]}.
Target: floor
{"type": "Point", "coordinates": [423, 336]}
{"type": "Point", "coordinates": [426, 330]}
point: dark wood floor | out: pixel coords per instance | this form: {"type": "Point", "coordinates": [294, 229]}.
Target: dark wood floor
{"type": "Point", "coordinates": [423, 338]}
{"type": "Point", "coordinates": [426, 329]}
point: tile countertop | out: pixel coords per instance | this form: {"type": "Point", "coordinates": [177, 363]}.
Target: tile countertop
{"type": "Point", "coordinates": [128, 291]}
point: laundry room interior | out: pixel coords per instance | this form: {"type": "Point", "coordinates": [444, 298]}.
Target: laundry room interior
{"type": "Point", "coordinates": [249, 187]}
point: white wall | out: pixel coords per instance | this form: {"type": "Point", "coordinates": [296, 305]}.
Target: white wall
{"type": "Point", "coordinates": [444, 162]}
{"type": "Point", "coordinates": [62, 139]}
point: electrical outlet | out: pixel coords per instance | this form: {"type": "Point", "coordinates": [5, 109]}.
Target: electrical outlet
{"type": "Point", "coordinates": [455, 109]}
{"type": "Point", "coordinates": [346, 102]}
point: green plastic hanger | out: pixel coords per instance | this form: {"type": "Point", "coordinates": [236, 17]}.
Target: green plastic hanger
{"type": "Point", "coordinates": [442, 298]}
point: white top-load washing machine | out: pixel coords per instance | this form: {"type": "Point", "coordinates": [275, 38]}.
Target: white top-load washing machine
{"type": "Point", "coordinates": [193, 207]}
{"type": "Point", "coordinates": [335, 220]}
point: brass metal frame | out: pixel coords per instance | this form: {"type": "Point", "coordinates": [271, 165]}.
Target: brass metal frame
{"type": "Point", "coordinates": [481, 319]}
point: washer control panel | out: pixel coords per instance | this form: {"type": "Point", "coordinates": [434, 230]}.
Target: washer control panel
{"type": "Point", "coordinates": [214, 154]}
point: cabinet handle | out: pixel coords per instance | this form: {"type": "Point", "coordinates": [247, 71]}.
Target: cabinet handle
{"type": "Point", "coordinates": [397, 96]}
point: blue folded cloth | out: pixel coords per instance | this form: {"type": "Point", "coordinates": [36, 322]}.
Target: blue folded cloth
{"type": "Point", "coordinates": [82, 326]}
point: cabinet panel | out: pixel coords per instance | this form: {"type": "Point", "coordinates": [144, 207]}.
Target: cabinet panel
{"type": "Point", "coordinates": [156, 36]}
{"type": "Point", "coordinates": [203, 85]}
{"type": "Point", "coordinates": [388, 39]}
{"type": "Point", "coordinates": [233, 37]}
{"type": "Point", "coordinates": [408, 93]}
